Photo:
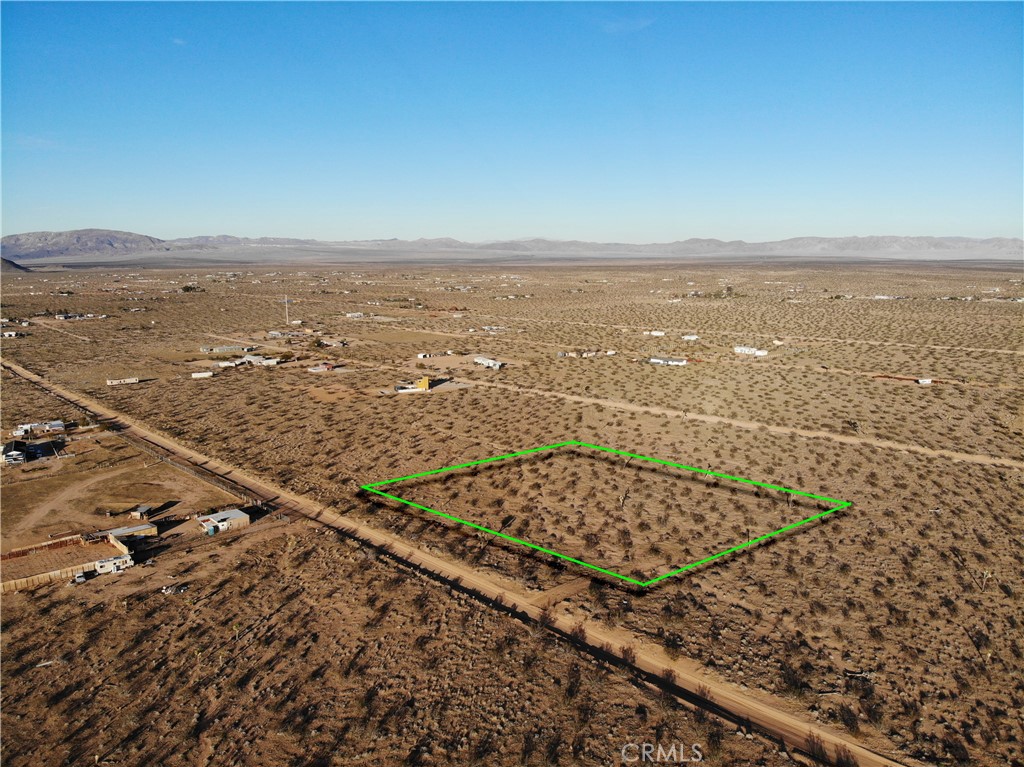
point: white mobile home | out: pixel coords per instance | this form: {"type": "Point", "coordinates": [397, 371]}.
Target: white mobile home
{"type": "Point", "coordinates": [487, 362]}
{"type": "Point", "coordinates": [116, 564]}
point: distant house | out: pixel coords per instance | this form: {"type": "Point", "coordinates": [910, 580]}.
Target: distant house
{"type": "Point", "coordinates": [924, 381]}
{"type": "Point", "coordinates": [204, 374]}
{"type": "Point", "coordinates": [232, 519]}
{"type": "Point", "coordinates": [675, 361]}
{"type": "Point", "coordinates": [691, 338]}
{"type": "Point", "coordinates": [121, 381]}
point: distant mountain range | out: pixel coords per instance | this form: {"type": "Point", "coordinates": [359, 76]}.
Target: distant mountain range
{"type": "Point", "coordinates": [84, 246]}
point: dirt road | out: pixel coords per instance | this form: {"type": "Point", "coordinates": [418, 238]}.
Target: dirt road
{"type": "Point", "coordinates": [48, 326]}
{"type": "Point", "coordinates": [747, 333]}
{"type": "Point", "coordinates": [683, 676]}
{"type": "Point", "coordinates": [850, 439]}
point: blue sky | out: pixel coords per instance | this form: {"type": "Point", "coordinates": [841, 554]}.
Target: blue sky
{"type": "Point", "coordinates": [615, 122]}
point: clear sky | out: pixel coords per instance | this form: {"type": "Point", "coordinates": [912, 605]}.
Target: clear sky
{"type": "Point", "coordinates": [615, 122]}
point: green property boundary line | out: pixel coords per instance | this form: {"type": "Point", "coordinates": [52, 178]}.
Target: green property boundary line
{"type": "Point", "coordinates": [839, 504]}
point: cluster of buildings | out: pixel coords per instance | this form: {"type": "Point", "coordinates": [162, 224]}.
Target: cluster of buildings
{"type": "Point", "coordinates": [751, 351]}
{"type": "Point", "coordinates": [45, 427]}
{"type": "Point", "coordinates": [104, 551]}
{"type": "Point", "coordinates": [672, 361]}
{"type": "Point", "coordinates": [587, 354]}
{"type": "Point", "coordinates": [77, 316]}
{"type": "Point", "coordinates": [44, 444]}
{"type": "Point", "coordinates": [226, 349]}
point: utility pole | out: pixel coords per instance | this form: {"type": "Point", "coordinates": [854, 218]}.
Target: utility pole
{"type": "Point", "coordinates": [285, 308]}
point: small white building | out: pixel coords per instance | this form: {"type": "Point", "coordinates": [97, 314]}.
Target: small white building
{"type": "Point", "coordinates": [487, 362]}
{"type": "Point", "coordinates": [691, 338]}
{"type": "Point", "coordinates": [658, 333]}
{"type": "Point", "coordinates": [232, 519]}
{"type": "Point", "coordinates": [121, 381]}
{"type": "Point", "coordinates": [667, 361]}
{"type": "Point", "coordinates": [204, 374]}
{"type": "Point", "coordinates": [924, 381]}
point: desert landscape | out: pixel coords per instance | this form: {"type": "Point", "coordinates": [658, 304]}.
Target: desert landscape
{"type": "Point", "coordinates": [891, 627]}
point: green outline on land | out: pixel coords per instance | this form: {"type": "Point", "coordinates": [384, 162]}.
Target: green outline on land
{"type": "Point", "coordinates": [574, 443]}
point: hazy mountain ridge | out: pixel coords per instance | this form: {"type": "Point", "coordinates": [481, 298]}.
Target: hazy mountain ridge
{"type": "Point", "coordinates": [6, 265]}
{"type": "Point", "coordinates": [42, 244]}
{"type": "Point", "coordinates": [103, 243]}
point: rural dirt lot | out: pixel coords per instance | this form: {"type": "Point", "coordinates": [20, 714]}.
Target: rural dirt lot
{"type": "Point", "coordinates": [893, 625]}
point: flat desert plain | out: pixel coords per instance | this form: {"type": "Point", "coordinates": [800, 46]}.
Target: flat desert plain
{"type": "Point", "coordinates": [893, 623]}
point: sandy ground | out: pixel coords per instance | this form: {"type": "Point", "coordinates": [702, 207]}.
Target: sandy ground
{"type": "Point", "coordinates": [686, 675]}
